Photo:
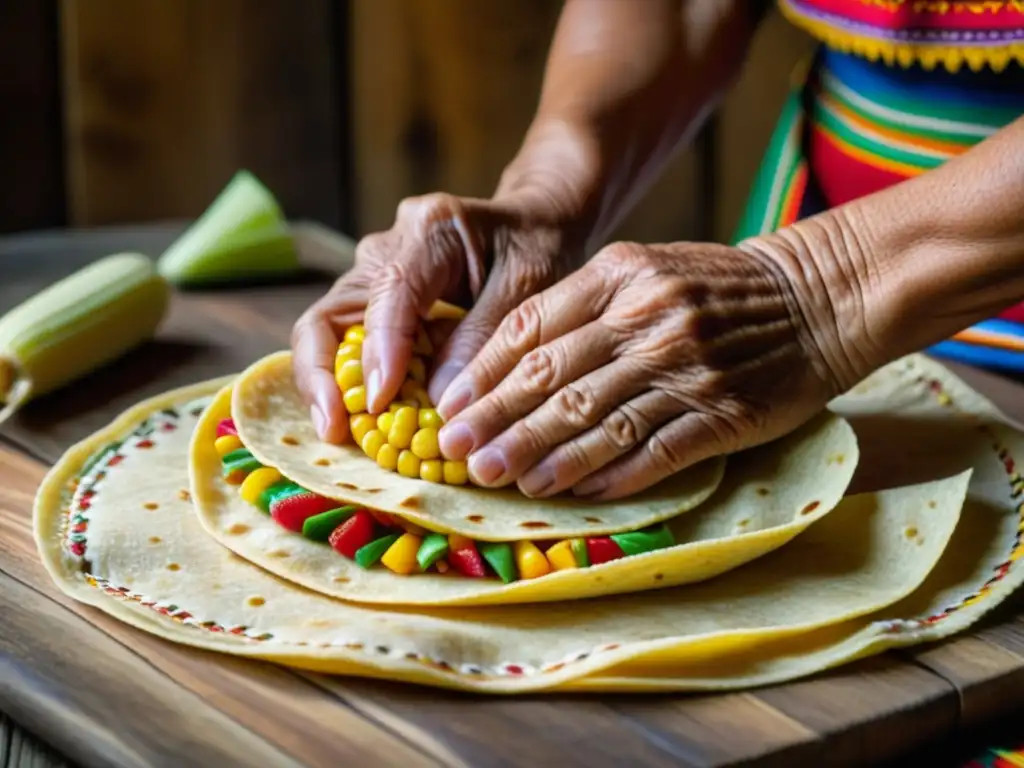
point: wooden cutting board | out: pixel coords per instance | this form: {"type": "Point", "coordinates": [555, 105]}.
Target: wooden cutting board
{"type": "Point", "coordinates": [106, 694]}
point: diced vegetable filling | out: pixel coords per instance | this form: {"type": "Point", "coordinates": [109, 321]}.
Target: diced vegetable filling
{"type": "Point", "coordinates": [378, 539]}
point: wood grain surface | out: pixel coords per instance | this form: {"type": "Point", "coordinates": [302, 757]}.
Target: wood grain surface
{"type": "Point", "coordinates": [106, 694]}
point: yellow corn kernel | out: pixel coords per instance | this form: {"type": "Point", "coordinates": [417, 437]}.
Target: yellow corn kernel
{"type": "Point", "coordinates": [560, 556]}
{"type": "Point", "coordinates": [257, 482]}
{"type": "Point", "coordinates": [422, 346]}
{"type": "Point", "coordinates": [387, 457]}
{"type": "Point", "coordinates": [361, 423]}
{"type": "Point", "coordinates": [372, 442]}
{"type": "Point", "coordinates": [456, 473]}
{"type": "Point", "coordinates": [530, 561]}
{"type": "Point", "coordinates": [394, 407]}
{"type": "Point", "coordinates": [384, 421]}
{"type": "Point", "coordinates": [408, 464]}
{"type": "Point", "coordinates": [403, 427]}
{"type": "Point", "coordinates": [431, 471]}
{"type": "Point", "coordinates": [418, 370]}
{"type": "Point", "coordinates": [348, 352]}
{"type": "Point", "coordinates": [424, 444]}
{"type": "Point", "coordinates": [413, 391]}
{"type": "Point", "coordinates": [430, 419]}
{"type": "Point", "coordinates": [401, 556]}
{"type": "Point", "coordinates": [355, 334]}
{"type": "Point", "coordinates": [235, 477]}
{"type": "Point", "coordinates": [355, 399]}
{"type": "Point", "coordinates": [349, 375]}
{"type": "Point", "coordinates": [79, 323]}
{"type": "Point", "coordinates": [226, 444]}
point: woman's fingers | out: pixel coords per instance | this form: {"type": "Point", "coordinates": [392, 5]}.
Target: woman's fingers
{"type": "Point", "coordinates": [431, 249]}
{"type": "Point", "coordinates": [315, 344]}
{"type": "Point", "coordinates": [683, 442]}
{"type": "Point", "coordinates": [561, 309]}
{"type": "Point", "coordinates": [619, 432]}
{"type": "Point", "coordinates": [574, 409]}
{"type": "Point", "coordinates": [540, 375]}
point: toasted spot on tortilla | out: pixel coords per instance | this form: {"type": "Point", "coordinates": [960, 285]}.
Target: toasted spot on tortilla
{"type": "Point", "coordinates": [742, 523]}
{"type": "Point", "coordinates": [319, 623]}
{"type": "Point", "coordinates": [341, 579]}
{"type": "Point", "coordinates": [155, 539]}
{"type": "Point", "coordinates": [151, 505]}
{"type": "Point", "coordinates": [762, 491]}
{"type": "Point", "coordinates": [910, 532]}
{"type": "Point", "coordinates": [347, 486]}
{"type": "Point", "coordinates": [810, 508]}
{"type": "Point", "coordinates": [374, 490]}
{"type": "Point", "coordinates": [279, 553]}
{"type": "Point", "coordinates": [475, 518]}
{"type": "Point", "coordinates": [596, 520]}
{"type": "Point", "coordinates": [256, 601]}
{"type": "Point", "coordinates": [534, 524]}
{"type": "Point", "coordinates": [323, 462]}
{"type": "Point", "coordinates": [289, 440]}
{"type": "Point", "coordinates": [836, 458]}
{"type": "Point", "coordinates": [238, 529]}
{"type": "Point", "coordinates": [184, 495]}
{"type": "Point", "coordinates": [173, 567]}
{"type": "Point", "coordinates": [932, 504]}
{"type": "Point", "coordinates": [410, 503]}
{"type": "Point", "coordinates": [659, 576]}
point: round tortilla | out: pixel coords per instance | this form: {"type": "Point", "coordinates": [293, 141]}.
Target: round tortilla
{"type": "Point", "coordinates": [138, 552]}
{"type": "Point", "coordinates": [274, 424]}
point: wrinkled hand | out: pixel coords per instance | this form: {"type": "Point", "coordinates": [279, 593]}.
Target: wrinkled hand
{"type": "Point", "coordinates": [645, 361]}
{"type": "Point", "coordinates": [466, 251]}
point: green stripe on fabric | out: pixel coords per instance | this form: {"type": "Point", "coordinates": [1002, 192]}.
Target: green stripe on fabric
{"type": "Point", "coordinates": [780, 160]}
{"type": "Point", "coordinates": [873, 146]}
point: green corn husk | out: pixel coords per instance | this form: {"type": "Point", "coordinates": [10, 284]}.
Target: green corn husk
{"type": "Point", "coordinates": [242, 237]}
{"type": "Point", "coordinates": [77, 325]}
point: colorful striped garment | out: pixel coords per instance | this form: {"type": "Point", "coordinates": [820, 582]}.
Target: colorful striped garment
{"type": "Point", "coordinates": [873, 108]}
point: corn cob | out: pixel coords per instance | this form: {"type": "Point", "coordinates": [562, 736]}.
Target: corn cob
{"type": "Point", "coordinates": [78, 324]}
{"type": "Point", "coordinates": [403, 439]}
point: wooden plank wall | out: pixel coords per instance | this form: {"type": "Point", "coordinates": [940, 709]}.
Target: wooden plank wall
{"type": "Point", "coordinates": [135, 110]}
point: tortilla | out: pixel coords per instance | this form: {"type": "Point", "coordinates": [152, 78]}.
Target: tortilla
{"type": "Point", "coordinates": [116, 529]}
{"type": "Point", "coordinates": [769, 495]}
{"type": "Point", "coordinates": [274, 424]}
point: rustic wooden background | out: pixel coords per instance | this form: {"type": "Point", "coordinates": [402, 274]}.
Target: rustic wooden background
{"type": "Point", "coordinates": [122, 111]}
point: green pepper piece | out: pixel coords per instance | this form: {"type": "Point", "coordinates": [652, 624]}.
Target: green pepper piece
{"type": "Point", "coordinates": [579, 551]}
{"type": "Point", "coordinates": [242, 460]}
{"type": "Point", "coordinates": [647, 540]}
{"type": "Point", "coordinates": [320, 527]}
{"type": "Point", "coordinates": [282, 489]}
{"type": "Point", "coordinates": [369, 554]}
{"type": "Point", "coordinates": [498, 555]}
{"type": "Point", "coordinates": [433, 547]}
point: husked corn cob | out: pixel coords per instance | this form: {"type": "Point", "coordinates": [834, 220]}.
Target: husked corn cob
{"type": "Point", "coordinates": [403, 439]}
{"type": "Point", "coordinates": [78, 324]}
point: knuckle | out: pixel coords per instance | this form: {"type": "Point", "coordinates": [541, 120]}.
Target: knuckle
{"type": "Point", "coordinates": [621, 429]}
{"type": "Point", "coordinates": [623, 254]}
{"type": "Point", "coordinates": [370, 248]}
{"type": "Point", "coordinates": [576, 404]}
{"type": "Point", "coordinates": [522, 327]}
{"type": "Point", "coordinates": [663, 454]}
{"type": "Point", "coordinates": [539, 370]}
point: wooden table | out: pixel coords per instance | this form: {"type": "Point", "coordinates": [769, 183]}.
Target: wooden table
{"type": "Point", "coordinates": [105, 694]}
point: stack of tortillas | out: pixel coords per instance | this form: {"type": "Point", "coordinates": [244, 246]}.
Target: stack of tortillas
{"type": "Point", "coordinates": [757, 568]}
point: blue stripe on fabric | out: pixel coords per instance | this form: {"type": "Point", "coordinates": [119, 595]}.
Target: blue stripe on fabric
{"type": "Point", "coordinates": [981, 357]}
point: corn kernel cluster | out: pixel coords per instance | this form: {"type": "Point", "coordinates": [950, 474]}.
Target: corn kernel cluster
{"type": "Point", "coordinates": [403, 439]}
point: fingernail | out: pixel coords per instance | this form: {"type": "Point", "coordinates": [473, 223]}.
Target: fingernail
{"type": "Point", "coordinates": [319, 421]}
{"type": "Point", "coordinates": [537, 481]}
{"type": "Point", "coordinates": [455, 401]}
{"type": "Point", "coordinates": [455, 441]}
{"type": "Point", "coordinates": [592, 486]}
{"type": "Point", "coordinates": [442, 377]}
{"type": "Point", "coordinates": [373, 390]}
{"type": "Point", "coordinates": [487, 466]}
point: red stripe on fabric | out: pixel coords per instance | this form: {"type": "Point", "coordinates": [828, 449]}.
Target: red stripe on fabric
{"type": "Point", "coordinates": [794, 196]}
{"type": "Point", "coordinates": [840, 177]}
{"type": "Point", "coordinates": [905, 16]}
{"type": "Point", "coordinates": [1015, 313]}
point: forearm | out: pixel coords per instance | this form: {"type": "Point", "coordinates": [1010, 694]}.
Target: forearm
{"type": "Point", "coordinates": [904, 268]}
{"type": "Point", "coordinates": [622, 91]}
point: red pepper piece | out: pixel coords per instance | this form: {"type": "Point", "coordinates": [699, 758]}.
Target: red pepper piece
{"type": "Point", "coordinates": [227, 427]}
{"type": "Point", "coordinates": [292, 512]}
{"type": "Point", "coordinates": [385, 519]}
{"type": "Point", "coordinates": [353, 534]}
{"type": "Point", "coordinates": [464, 557]}
{"type": "Point", "coordinates": [603, 549]}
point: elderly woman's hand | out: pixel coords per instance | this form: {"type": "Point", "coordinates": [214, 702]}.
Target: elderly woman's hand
{"type": "Point", "coordinates": [645, 361]}
{"type": "Point", "coordinates": [495, 253]}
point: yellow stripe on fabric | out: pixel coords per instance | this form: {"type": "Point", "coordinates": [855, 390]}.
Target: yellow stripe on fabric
{"type": "Point", "coordinates": [784, 171]}
{"type": "Point", "coordinates": [869, 158]}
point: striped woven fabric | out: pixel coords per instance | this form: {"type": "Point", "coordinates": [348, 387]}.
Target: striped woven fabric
{"type": "Point", "coordinates": [852, 127]}
{"type": "Point", "coordinates": [996, 757]}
